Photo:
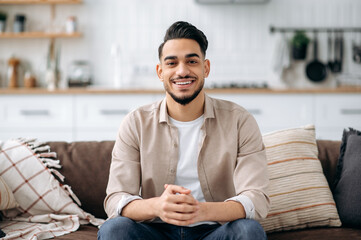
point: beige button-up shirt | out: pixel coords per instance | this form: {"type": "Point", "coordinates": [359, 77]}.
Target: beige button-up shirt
{"type": "Point", "coordinates": [231, 157]}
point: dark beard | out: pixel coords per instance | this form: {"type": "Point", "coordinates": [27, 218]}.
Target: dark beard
{"type": "Point", "coordinates": [185, 100]}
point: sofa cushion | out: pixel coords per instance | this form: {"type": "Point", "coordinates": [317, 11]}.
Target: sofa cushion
{"type": "Point", "coordinates": [328, 153]}
{"type": "Point", "coordinates": [347, 191]}
{"type": "Point", "coordinates": [299, 192]}
{"type": "Point", "coordinates": [85, 166]}
{"type": "Point", "coordinates": [318, 234]}
{"type": "Point", "coordinates": [85, 232]}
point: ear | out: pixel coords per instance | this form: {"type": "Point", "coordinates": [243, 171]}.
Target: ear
{"type": "Point", "coordinates": [159, 71]}
{"type": "Point", "coordinates": [207, 68]}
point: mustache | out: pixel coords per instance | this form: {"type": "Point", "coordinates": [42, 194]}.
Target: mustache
{"type": "Point", "coordinates": [185, 77]}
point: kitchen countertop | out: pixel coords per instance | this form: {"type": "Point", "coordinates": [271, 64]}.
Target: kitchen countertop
{"type": "Point", "coordinates": [72, 91]}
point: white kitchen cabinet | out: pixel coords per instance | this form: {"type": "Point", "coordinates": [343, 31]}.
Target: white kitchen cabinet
{"type": "Point", "coordinates": [333, 113]}
{"type": "Point", "coordinates": [39, 134]}
{"type": "Point", "coordinates": [276, 111]}
{"type": "Point", "coordinates": [36, 116]}
{"type": "Point", "coordinates": [98, 116]}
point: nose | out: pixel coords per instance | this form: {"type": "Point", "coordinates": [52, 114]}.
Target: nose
{"type": "Point", "coordinates": [182, 70]}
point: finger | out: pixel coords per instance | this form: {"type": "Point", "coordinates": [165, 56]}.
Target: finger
{"type": "Point", "coordinates": [174, 189]}
{"type": "Point", "coordinates": [183, 198]}
{"type": "Point", "coordinates": [180, 208]}
{"type": "Point", "coordinates": [180, 199]}
{"type": "Point", "coordinates": [179, 216]}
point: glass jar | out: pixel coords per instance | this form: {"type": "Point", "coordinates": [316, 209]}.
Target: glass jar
{"type": "Point", "coordinates": [19, 23]}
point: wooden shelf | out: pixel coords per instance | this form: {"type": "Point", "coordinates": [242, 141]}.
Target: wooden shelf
{"type": "Point", "coordinates": [39, 35]}
{"type": "Point", "coordinates": [92, 90]}
{"type": "Point", "coordinates": [40, 1]}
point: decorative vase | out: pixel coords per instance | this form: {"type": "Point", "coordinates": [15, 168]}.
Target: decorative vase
{"type": "Point", "coordinates": [299, 53]}
{"type": "Point", "coordinates": [51, 79]}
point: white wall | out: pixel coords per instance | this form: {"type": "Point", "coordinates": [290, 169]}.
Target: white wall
{"type": "Point", "coordinates": [240, 43]}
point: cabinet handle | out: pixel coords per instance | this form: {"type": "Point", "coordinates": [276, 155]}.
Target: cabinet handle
{"type": "Point", "coordinates": [114, 111]}
{"type": "Point", "coordinates": [35, 112]}
{"type": "Point", "coordinates": [351, 111]}
{"type": "Point", "coordinates": [255, 111]}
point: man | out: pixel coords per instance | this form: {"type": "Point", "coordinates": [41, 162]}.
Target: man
{"type": "Point", "coordinates": [190, 166]}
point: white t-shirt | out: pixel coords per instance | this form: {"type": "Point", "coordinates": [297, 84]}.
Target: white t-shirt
{"type": "Point", "coordinates": [189, 141]}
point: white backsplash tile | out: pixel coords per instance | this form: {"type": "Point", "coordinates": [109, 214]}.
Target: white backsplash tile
{"type": "Point", "coordinates": [240, 43]}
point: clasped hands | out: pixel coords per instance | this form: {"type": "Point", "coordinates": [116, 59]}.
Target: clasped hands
{"type": "Point", "coordinates": [177, 206]}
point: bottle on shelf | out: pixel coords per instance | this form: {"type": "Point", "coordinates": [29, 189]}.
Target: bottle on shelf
{"type": "Point", "coordinates": [19, 23]}
{"type": "Point", "coordinates": [71, 25]}
{"type": "Point", "coordinates": [13, 72]}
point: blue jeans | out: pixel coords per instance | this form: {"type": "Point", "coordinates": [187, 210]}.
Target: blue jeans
{"type": "Point", "coordinates": [125, 228]}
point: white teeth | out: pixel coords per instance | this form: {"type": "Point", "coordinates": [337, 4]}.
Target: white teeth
{"type": "Point", "coordinates": [183, 83]}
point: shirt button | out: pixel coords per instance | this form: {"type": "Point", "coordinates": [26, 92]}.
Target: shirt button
{"type": "Point", "coordinates": [175, 145]}
{"type": "Point", "coordinates": [172, 171]}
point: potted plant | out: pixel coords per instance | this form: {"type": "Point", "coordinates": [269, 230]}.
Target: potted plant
{"type": "Point", "coordinates": [3, 17]}
{"type": "Point", "coordinates": [299, 44]}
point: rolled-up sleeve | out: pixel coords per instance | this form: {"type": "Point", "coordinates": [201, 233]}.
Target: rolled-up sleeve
{"type": "Point", "coordinates": [250, 175]}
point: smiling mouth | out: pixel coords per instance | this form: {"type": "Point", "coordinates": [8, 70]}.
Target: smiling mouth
{"type": "Point", "coordinates": [183, 83]}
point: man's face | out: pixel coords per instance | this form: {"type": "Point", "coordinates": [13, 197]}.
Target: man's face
{"type": "Point", "coordinates": [182, 69]}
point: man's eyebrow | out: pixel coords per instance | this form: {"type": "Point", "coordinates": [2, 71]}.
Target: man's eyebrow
{"type": "Point", "coordinates": [187, 56]}
{"type": "Point", "coordinates": [170, 58]}
{"type": "Point", "coordinates": [192, 55]}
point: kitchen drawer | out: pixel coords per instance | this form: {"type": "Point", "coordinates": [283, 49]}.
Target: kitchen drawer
{"type": "Point", "coordinates": [106, 111]}
{"type": "Point", "coordinates": [325, 133]}
{"type": "Point", "coordinates": [98, 134]}
{"type": "Point", "coordinates": [24, 112]}
{"type": "Point", "coordinates": [43, 135]}
{"type": "Point", "coordinates": [274, 112]}
{"type": "Point", "coordinates": [338, 111]}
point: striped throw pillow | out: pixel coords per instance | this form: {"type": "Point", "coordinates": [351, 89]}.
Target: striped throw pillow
{"type": "Point", "coordinates": [299, 192]}
{"type": "Point", "coordinates": [7, 199]}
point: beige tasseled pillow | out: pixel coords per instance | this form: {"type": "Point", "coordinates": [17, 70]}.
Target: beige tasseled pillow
{"type": "Point", "coordinates": [299, 192]}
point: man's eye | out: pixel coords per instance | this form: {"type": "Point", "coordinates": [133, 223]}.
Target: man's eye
{"type": "Point", "coordinates": [192, 61]}
{"type": "Point", "coordinates": [170, 63]}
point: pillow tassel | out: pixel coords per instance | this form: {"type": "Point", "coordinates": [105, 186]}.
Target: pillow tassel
{"type": "Point", "coordinates": [71, 194]}
{"type": "Point", "coordinates": [41, 149]}
{"type": "Point", "coordinates": [50, 163]}
{"type": "Point", "coordinates": [47, 155]}
{"type": "Point", "coordinates": [57, 174]}
{"type": "Point", "coordinates": [27, 141]}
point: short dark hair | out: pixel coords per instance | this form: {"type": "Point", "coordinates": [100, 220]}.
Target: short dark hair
{"type": "Point", "coordinates": [186, 30]}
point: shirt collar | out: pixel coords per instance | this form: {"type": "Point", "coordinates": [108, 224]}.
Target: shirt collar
{"type": "Point", "coordinates": [163, 113]}
{"type": "Point", "coordinates": [208, 109]}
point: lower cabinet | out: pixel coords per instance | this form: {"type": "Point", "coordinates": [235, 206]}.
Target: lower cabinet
{"type": "Point", "coordinates": [96, 117]}
{"type": "Point", "coordinates": [32, 116]}
{"type": "Point", "coordinates": [274, 112]}
{"type": "Point", "coordinates": [334, 113]}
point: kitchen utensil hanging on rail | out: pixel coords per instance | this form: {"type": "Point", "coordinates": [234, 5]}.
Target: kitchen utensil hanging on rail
{"type": "Point", "coordinates": [356, 47]}
{"type": "Point", "coordinates": [330, 51]}
{"type": "Point", "coordinates": [337, 65]}
{"type": "Point", "coordinates": [316, 71]}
